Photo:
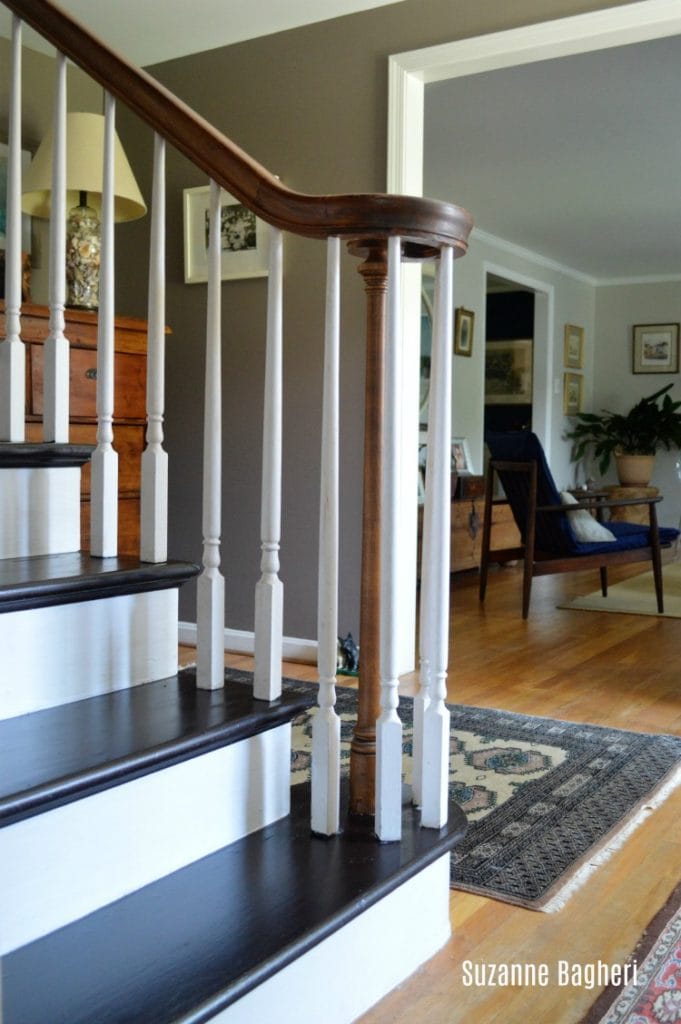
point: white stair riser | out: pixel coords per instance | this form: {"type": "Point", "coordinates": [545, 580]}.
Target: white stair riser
{"type": "Point", "coordinates": [69, 652]}
{"type": "Point", "coordinates": [377, 950]}
{"type": "Point", "coordinates": [59, 866]}
{"type": "Point", "coordinates": [39, 511]}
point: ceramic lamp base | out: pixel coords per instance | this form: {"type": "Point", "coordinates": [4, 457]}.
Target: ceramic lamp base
{"type": "Point", "coordinates": [83, 244]}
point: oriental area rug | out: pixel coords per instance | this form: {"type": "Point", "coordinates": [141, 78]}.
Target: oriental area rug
{"type": "Point", "coordinates": [546, 801]}
{"type": "Point", "coordinates": [654, 994]}
{"type": "Point", "coordinates": [636, 595]}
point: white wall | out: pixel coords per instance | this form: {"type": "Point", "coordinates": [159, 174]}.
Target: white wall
{"type": "Point", "coordinates": [616, 387]}
{"type": "Point", "coordinates": [567, 298]}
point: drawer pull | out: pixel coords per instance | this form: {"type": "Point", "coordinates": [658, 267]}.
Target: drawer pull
{"type": "Point", "coordinates": [91, 374]}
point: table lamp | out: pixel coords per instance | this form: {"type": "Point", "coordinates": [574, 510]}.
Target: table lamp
{"type": "Point", "coordinates": [84, 175]}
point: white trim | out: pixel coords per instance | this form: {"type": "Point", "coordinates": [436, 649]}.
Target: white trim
{"type": "Point", "coordinates": [580, 33]}
{"type": "Point", "coordinates": [242, 641]}
{"type": "Point", "coordinates": [650, 279]}
{"type": "Point", "coordinates": [533, 257]}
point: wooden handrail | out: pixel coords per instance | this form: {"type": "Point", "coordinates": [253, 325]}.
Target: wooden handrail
{"type": "Point", "coordinates": [425, 222]}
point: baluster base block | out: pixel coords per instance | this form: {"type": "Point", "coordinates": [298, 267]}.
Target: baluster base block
{"type": "Point", "coordinates": [269, 618]}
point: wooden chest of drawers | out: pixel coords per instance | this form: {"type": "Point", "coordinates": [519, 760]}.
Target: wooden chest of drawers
{"type": "Point", "coordinates": [129, 403]}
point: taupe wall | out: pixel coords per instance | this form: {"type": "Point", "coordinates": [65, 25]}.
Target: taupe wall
{"type": "Point", "coordinates": [311, 104]}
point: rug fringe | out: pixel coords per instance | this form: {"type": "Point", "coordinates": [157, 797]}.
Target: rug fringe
{"type": "Point", "coordinates": [611, 845]}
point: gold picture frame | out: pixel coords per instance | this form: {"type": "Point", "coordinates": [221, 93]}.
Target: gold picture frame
{"type": "Point", "coordinates": [508, 372]}
{"type": "Point", "coordinates": [464, 324]}
{"type": "Point", "coordinates": [573, 393]}
{"type": "Point", "coordinates": [573, 346]}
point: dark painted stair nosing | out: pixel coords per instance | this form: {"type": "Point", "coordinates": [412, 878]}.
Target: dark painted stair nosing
{"type": "Point", "coordinates": [43, 580]}
{"type": "Point", "coordinates": [29, 455]}
{"type": "Point", "coordinates": [53, 757]}
{"type": "Point", "coordinates": [186, 947]}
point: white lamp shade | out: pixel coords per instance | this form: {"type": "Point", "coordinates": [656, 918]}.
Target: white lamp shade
{"type": "Point", "coordinates": [84, 172]}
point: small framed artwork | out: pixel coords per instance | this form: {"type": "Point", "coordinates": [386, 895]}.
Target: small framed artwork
{"type": "Point", "coordinates": [461, 457]}
{"type": "Point", "coordinates": [508, 372]}
{"type": "Point", "coordinates": [656, 348]}
{"type": "Point", "coordinates": [572, 393]}
{"type": "Point", "coordinates": [244, 238]}
{"type": "Point", "coordinates": [573, 346]}
{"type": "Point", "coordinates": [464, 322]}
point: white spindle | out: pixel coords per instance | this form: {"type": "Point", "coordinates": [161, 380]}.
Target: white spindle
{"type": "Point", "coordinates": [210, 670]}
{"type": "Point", "coordinates": [436, 724]}
{"type": "Point", "coordinates": [389, 726]}
{"type": "Point", "coordinates": [269, 591]}
{"type": "Point", "coordinates": [56, 401]}
{"type": "Point", "coordinates": [154, 525]}
{"type": "Point", "coordinates": [422, 698]}
{"type": "Point", "coordinates": [326, 723]}
{"type": "Point", "coordinates": [12, 352]}
{"type": "Point", "coordinates": [104, 501]}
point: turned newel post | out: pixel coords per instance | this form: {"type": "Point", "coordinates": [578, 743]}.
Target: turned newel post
{"type": "Point", "coordinates": [374, 270]}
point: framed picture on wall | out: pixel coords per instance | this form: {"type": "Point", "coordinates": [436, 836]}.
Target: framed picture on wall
{"type": "Point", "coordinates": [572, 393]}
{"type": "Point", "coordinates": [573, 346]}
{"type": "Point", "coordinates": [464, 322]}
{"type": "Point", "coordinates": [244, 238]}
{"type": "Point", "coordinates": [656, 348]}
{"type": "Point", "coordinates": [508, 372]}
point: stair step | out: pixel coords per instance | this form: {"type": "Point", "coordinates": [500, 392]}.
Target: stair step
{"type": "Point", "coordinates": [52, 757]}
{"type": "Point", "coordinates": [189, 946]}
{"type": "Point", "coordinates": [104, 796]}
{"type": "Point", "coordinates": [28, 455]}
{"type": "Point", "coordinates": [45, 580]}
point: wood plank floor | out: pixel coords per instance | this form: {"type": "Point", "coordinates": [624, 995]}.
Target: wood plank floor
{"type": "Point", "coordinates": [617, 670]}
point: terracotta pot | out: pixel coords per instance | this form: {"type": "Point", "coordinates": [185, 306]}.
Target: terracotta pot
{"type": "Point", "coordinates": [635, 470]}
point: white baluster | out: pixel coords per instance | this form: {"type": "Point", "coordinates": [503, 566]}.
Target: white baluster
{"type": "Point", "coordinates": [104, 501]}
{"type": "Point", "coordinates": [389, 726]}
{"type": "Point", "coordinates": [12, 352]}
{"type": "Point", "coordinates": [210, 669]}
{"type": "Point", "coordinates": [422, 698]}
{"type": "Point", "coordinates": [326, 723]}
{"type": "Point", "coordinates": [436, 724]}
{"type": "Point", "coordinates": [154, 525]}
{"type": "Point", "coordinates": [269, 591]}
{"type": "Point", "coordinates": [56, 401]}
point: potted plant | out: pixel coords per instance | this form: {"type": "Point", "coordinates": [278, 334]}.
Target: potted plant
{"type": "Point", "coordinates": [654, 422]}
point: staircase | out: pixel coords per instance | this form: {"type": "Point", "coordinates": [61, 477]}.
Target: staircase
{"type": "Point", "coordinates": [155, 863]}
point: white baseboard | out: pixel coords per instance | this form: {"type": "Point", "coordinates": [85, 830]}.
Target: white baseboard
{"type": "Point", "coordinates": [377, 950]}
{"type": "Point", "coordinates": [242, 641]}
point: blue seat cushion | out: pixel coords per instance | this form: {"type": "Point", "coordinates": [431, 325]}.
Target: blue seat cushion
{"type": "Point", "coordinates": [629, 536]}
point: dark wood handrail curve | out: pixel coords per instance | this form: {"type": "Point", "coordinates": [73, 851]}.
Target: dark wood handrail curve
{"type": "Point", "coordinates": [425, 222]}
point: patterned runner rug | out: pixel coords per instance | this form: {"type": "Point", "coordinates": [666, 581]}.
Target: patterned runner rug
{"type": "Point", "coordinates": [546, 801]}
{"type": "Point", "coordinates": [654, 997]}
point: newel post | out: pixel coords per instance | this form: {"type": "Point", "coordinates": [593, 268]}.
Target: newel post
{"type": "Point", "coordinates": [374, 270]}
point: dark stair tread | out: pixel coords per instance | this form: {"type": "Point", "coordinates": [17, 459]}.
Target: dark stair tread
{"type": "Point", "coordinates": [42, 580]}
{"type": "Point", "coordinates": [52, 757]}
{"type": "Point", "coordinates": [190, 944]}
{"type": "Point", "coordinates": [30, 455]}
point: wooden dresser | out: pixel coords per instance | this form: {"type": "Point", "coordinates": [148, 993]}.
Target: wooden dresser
{"type": "Point", "coordinates": [129, 403]}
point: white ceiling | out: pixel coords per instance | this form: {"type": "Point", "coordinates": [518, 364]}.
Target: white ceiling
{"type": "Point", "coordinates": [578, 159]}
{"type": "Point", "coordinates": [150, 31]}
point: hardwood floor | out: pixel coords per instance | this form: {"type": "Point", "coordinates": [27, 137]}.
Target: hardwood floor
{"type": "Point", "coordinates": [618, 670]}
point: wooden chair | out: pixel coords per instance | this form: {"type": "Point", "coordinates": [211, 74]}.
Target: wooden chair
{"type": "Point", "coordinates": [548, 542]}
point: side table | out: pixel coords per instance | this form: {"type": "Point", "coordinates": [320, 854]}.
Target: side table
{"type": "Point", "coordinates": [630, 513]}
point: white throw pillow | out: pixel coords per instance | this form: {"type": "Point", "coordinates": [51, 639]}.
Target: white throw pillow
{"type": "Point", "coordinates": [586, 529]}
